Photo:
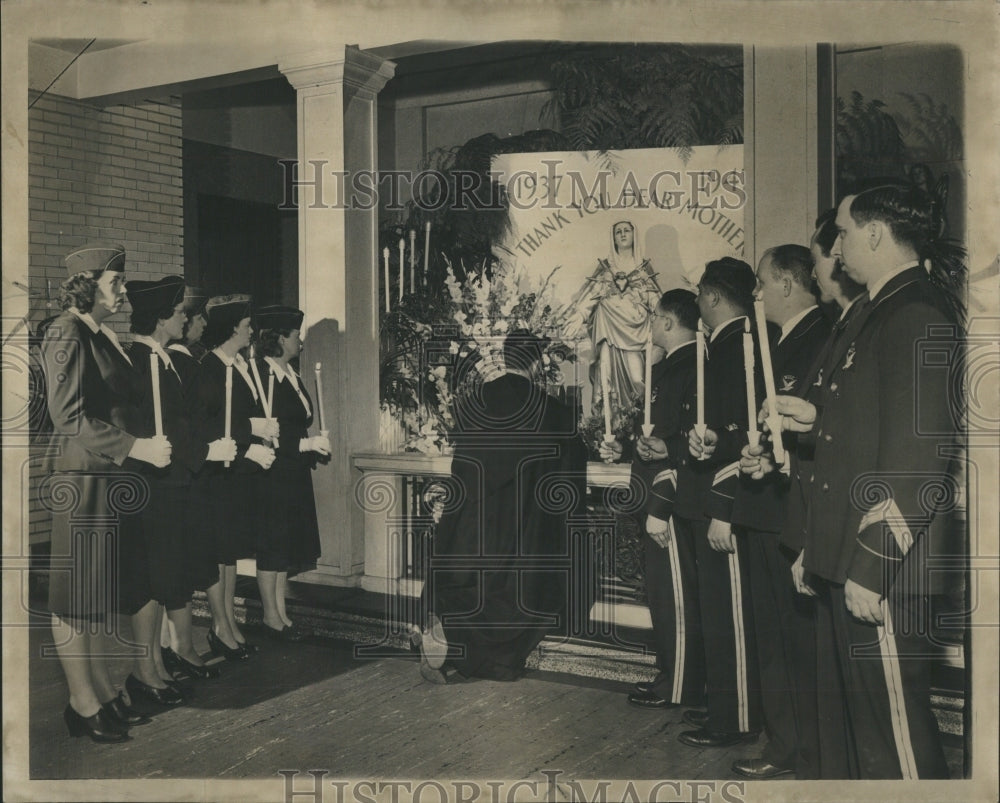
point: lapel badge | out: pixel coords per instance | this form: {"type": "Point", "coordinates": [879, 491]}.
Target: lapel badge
{"type": "Point", "coordinates": [819, 379]}
{"type": "Point", "coordinates": [849, 359]}
{"type": "Point", "coordinates": [787, 383]}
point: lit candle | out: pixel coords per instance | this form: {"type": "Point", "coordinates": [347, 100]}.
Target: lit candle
{"type": "Point", "coordinates": [648, 400]}
{"type": "Point", "coordinates": [385, 258]}
{"type": "Point", "coordinates": [319, 395]}
{"type": "Point", "coordinates": [402, 263]}
{"type": "Point", "coordinates": [154, 374]}
{"type": "Point", "coordinates": [413, 260]}
{"type": "Point", "coordinates": [427, 247]}
{"type": "Point", "coordinates": [699, 426]}
{"type": "Point", "coordinates": [229, 404]}
{"type": "Point", "coordinates": [748, 366]}
{"type": "Point", "coordinates": [774, 418]}
{"type": "Point", "coordinates": [606, 389]}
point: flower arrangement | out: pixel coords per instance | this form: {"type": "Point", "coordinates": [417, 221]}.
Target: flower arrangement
{"type": "Point", "coordinates": [459, 345]}
{"type": "Point", "coordinates": [623, 421]}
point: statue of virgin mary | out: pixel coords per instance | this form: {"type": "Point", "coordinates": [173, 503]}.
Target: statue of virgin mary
{"type": "Point", "coordinates": [616, 302]}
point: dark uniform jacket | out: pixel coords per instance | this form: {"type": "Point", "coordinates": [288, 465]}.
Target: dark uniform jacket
{"type": "Point", "coordinates": [673, 388]}
{"type": "Point", "coordinates": [726, 413]}
{"type": "Point", "coordinates": [187, 455]}
{"type": "Point", "coordinates": [760, 504]}
{"type": "Point", "coordinates": [91, 396]}
{"type": "Point", "coordinates": [884, 432]}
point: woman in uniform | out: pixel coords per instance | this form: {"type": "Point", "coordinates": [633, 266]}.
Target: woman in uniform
{"type": "Point", "coordinates": [224, 402]}
{"type": "Point", "coordinates": [289, 537]}
{"type": "Point", "coordinates": [172, 571]}
{"type": "Point", "coordinates": [91, 395]}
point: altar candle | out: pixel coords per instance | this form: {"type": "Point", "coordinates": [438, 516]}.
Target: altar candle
{"type": "Point", "coordinates": [427, 247]}
{"type": "Point", "coordinates": [748, 366]}
{"type": "Point", "coordinates": [413, 260]}
{"type": "Point", "coordinates": [649, 380]}
{"type": "Point", "coordinates": [319, 395]}
{"type": "Point", "coordinates": [154, 373]}
{"type": "Point", "coordinates": [385, 258]}
{"type": "Point", "coordinates": [774, 419]}
{"type": "Point", "coordinates": [229, 404]}
{"type": "Point", "coordinates": [606, 389]}
{"type": "Point", "coordinates": [402, 263]}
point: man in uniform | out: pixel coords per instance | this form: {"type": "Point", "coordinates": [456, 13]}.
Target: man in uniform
{"type": "Point", "coordinates": [725, 299]}
{"type": "Point", "coordinates": [872, 521]}
{"type": "Point", "coordinates": [785, 286]}
{"type": "Point", "coordinates": [670, 571]}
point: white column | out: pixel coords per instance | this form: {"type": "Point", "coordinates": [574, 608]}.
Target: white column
{"type": "Point", "coordinates": [338, 286]}
{"type": "Point", "coordinates": [779, 146]}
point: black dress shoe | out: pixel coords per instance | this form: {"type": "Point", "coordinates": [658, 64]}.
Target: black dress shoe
{"type": "Point", "coordinates": [695, 718]}
{"type": "Point", "coordinates": [644, 687]}
{"type": "Point", "coordinates": [758, 769]}
{"type": "Point", "coordinates": [286, 634]}
{"type": "Point", "coordinates": [126, 716]}
{"type": "Point", "coordinates": [247, 647]}
{"type": "Point", "coordinates": [650, 700]}
{"type": "Point", "coordinates": [182, 667]}
{"type": "Point", "coordinates": [706, 738]}
{"type": "Point", "coordinates": [98, 727]}
{"type": "Point", "coordinates": [169, 696]}
{"type": "Point", "coordinates": [218, 647]}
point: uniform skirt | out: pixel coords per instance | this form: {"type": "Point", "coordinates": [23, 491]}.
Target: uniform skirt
{"type": "Point", "coordinates": [289, 539]}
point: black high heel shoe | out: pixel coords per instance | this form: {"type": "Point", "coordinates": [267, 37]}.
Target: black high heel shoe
{"type": "Point", "coordinates": [182, 667]}
{"type": "Point", "coordinates": [169, 696]}
{"type": "Point", "coordinates": [98, 727]}
{"type": "Point", "coordinates": [218, 647]}
{"type": "Point", "coordinates": [126, 716]}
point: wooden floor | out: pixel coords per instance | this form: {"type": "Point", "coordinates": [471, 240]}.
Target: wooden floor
{"type": "Point", "coordinates": [318, 705]}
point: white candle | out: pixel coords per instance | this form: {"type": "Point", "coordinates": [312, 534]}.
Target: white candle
{"type": "Point", "coordinates": [648, 401]}
{"type": "Point", "coordinates": [265, 402]}
{"type": "Point", "coordinates": [427, 247]}
{"type": "Point", "coordinates": [229, 404]}
{"type": "Point", "coordinates": [270, 392]}
{"type": "Point", "coordinates": [606, 389]}
{"type": "Point", "coordinates": [413, 261]}
{"type": "Point", "coordinates": [700, 383]}
{"type": "Point", "coordinates": [154, 375]}
{"type": "Point", "coordinates": [319, 395]}
{"type": "Point", "coordinates": [774, 419]}
{"type": "Point", "coordinates": [402, 263]}
{"type": "Point", "coordinates": [748, 366]}
{"type": "Point", "coordinates": [385, 258]}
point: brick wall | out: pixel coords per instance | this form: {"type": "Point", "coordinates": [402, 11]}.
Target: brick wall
{"type": "Point", "coordinates": [101, 173]}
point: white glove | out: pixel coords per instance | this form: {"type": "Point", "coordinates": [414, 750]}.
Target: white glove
{"type": "Point", "coordinates": [264, 428]}
{"type": "Point", "coordinates": [155, 450]}
{"type": "Point", "coordinates": [316, 443]}
{"type": "Point", "coordinates": [221, 450]}
{"type": "Point", "coordinates": [262, 455]}
{"type": "Point", "coordinates": [658, 531]}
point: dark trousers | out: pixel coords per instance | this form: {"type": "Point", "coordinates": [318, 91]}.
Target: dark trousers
{"type": "Point", "coordinates": [829, 728]}
{"type": "Point", "coordinates": [731, 673]}
{"type": "Point", "coordinates": [784, 621]}
{"type": "Point", "coordinates": [672, 594]}
{"type": "Point", "coordinates": [887, 671]}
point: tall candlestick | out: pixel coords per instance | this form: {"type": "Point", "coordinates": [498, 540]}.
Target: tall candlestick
{"type": "Point", "coordinates": [154, 374]}
{"type": "Point", "coordinates": [749, 363]}
{"type": "Point", "coordinates": [606, 389]}
{"type": "Point", "coordinates": [413, 261]}
{"type": "Point", "coordinates": [774, 418]}
{"type": "Point", "coordinates": [229, 404]}
{"type": "Point", "coordinates": [648, 397]}
{"type": "Point", "coordinates": [319, 396]}
{"type": "Point", "coordinates": [700, 426]}
{"type": "Point", "coordinates": [402, 262]}
{"type": "Point", "coordinates": [427, 247]}
{"type": "Point", "coordinates": [385, 258]}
